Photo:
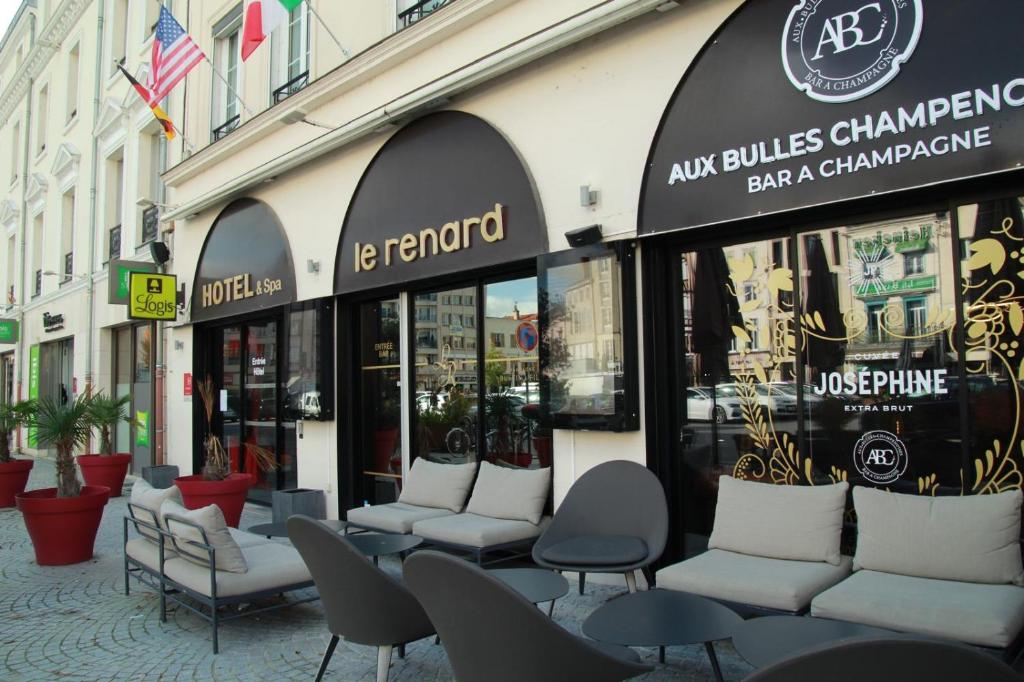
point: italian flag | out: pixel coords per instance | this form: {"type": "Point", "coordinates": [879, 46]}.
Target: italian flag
{"type": "Point", "coordinates": [261, 18]}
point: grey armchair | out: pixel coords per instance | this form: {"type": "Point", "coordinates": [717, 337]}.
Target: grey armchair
{"type": "Point", "coordinates": [887, 660]}
{"type": "Point", "coordinates": [363, 604]}
{"type": "Point", "coordinates": [614, 519]}
{"type": "Point", "coordinates": [492, 633]}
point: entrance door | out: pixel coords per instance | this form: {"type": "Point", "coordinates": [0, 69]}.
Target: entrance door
{"type": "Point", "coordinates": [7, 378]}
{"type": "Point", "coordinates": [142, 396]}
{"type": "Point", "coordinates": [248, 400]}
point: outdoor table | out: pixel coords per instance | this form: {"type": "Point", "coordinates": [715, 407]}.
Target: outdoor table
{"type": "Point", "coordinates": [280, 528]}
{"type": "Point", "coordinates": [663, 618]}
{"type": "Point", "coordinates": [769, 639]}
{"type": "Point", "coordinates": [374, 545]}
{"type": "Point", "coordinates": [536, 584]}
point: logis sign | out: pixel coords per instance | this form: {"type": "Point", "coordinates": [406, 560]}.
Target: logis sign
{"type": "Point", "coordinates": [152, 297]}
{"type": "Point", "coordinates": [841, 50]}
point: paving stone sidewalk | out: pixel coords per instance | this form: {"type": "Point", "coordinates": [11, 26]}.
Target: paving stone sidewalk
{"type": "Point", "coordinates": [74, 623]}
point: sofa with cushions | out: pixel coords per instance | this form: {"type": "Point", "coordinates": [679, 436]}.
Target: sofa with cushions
{"type": "Point", "coordinates": [772, 548]}
{"type": "Point", "coordinates": [193, 558]}
{"type": "Point", "coordinates": [504, 513]}
{"type": "Point", "coordinates": [945, 567]}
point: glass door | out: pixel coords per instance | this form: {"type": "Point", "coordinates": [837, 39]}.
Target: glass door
{"type": "Point", "coordinates": [229, 395]}
{"type": "Point", "coordinates": [378, 418]}
{"type": "Point", "coordinates": [260, 405]}
{"type": "Point", "coordinates": [7, 378]}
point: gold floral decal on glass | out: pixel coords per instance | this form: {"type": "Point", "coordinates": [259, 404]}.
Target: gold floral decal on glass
{"type": "Point", "coordinates": [995, 310]}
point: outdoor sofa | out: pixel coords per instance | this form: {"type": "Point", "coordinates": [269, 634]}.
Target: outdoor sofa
{"type": "Point", "coordinates": [194, 559]}
{"type": "Point", "coordinates": [504, 514]}
{"type": "Point", "coordinates": [772, 548]}
{"type": "Point", "coordinates": [947, 567]}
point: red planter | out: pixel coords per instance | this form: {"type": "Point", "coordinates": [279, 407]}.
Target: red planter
{"type": "Point", "coordinates": [105, 470]}
{"type": "Point", "coordinates": [63, 529]}
{"type": "Point", "coordinates": [383, 448]}
{"type": "Point", "coordinates": [229, 494]}
{"type": "Point", "coordinates": [13, 479]}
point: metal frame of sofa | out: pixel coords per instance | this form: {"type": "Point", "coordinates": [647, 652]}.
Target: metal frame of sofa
{"type": "Point", "coordinates": [147, 575]}
{"type": "Point", "coordinates": [169, 588]}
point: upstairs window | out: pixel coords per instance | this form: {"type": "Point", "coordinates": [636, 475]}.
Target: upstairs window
{"type": "Point", "coordinates": [227, 35]}
{"type": "Point", "coordinates": [289, 60]}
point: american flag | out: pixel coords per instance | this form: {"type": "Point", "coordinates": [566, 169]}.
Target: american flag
{"type": "Point", "coordinates": [174, 55]}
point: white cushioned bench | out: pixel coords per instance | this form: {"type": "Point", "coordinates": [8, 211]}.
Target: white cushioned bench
{"type": "Point", "coordinates": [431, 490]}
{"type": "Point", "coordinates": [772, 547]}
{"type": "Point", "coordinates": [944, 567]}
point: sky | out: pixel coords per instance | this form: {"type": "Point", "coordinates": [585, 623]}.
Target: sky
{"type": "Point", "coordinates": [7, 11]}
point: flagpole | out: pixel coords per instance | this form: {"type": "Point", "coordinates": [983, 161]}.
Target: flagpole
{"type": "Point", "coordinates": [327, 28]}
{"type": "Point", "coordinates": [188, 142]}
{"type": "Point", "coordinates": [224, 80]}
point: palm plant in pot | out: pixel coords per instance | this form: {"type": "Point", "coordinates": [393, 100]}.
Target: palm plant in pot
{"type": "Point", "coordinates": [13, 472]}
{"type": "Point", "coordinates": [217, 483]}
{"type": "Point", "coordinates": [107, 468]}
{"type": "Point", "coordinates": [63, 521]}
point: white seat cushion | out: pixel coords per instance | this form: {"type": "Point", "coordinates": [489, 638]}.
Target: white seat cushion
{"type": "Point", "coordinates": [147, 552]}
{"type": "Point", "coordinates": [432, 484]}
{"type": "Point", "coordinates": [245, 539]}
{"type": "Point", "coordinates": [271, 566]}
{"type": "Point", "coordinates": [770, 583]}
{"type": "Point", "coordinates": [974, 538]}
{"type": "Point", "coordinates": [797, 522]}
{"type": "Point", "coordinates": [473, 530]}
{"type": "Point", "coordinates": [396, 517]}
{"type": "Point", "coordinates": [984, 615]}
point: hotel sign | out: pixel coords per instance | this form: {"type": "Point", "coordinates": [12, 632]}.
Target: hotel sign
{"type": "Point", "coordinates": [8, 331]}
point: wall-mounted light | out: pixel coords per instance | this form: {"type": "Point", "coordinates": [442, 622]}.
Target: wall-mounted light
{"type": "Point", "coordinates": [588, 197]}
{"type": "Point", "coordinates": [179, 345]}
{"type": "Point", "coordinates": [312, 266]}
{"type": "Point", "coordinates": [160, 253]}
{"type": "Point", "coordinates": [584, 236]}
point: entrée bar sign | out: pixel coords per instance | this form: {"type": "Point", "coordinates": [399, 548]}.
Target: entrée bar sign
{"type": "Point", "coordinates": [453, 236]}
{"type": "Point", "coordinates": [237, 288]}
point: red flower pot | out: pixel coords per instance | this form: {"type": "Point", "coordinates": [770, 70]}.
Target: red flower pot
{"type": "Point", "coordinates": [105, 470]}
{"type": "Point", "coordinates": [63, 529]}
{"type": "Point", "coordinates": [229, 494]}
{"type": "Point", "coordinates": [383, 448]}
{"type": "Point", "coordinates": [13, 479]}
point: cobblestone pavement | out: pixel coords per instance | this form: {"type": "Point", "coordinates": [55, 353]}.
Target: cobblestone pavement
{"type": "Point", "coordinates": [75, 623]}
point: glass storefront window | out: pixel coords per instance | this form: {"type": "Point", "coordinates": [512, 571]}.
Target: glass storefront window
{"type": "Point", "coordinates": [143, 352]}
{"type": "Point", "coordinates": [380, 400]}
{"type": "Point", "coordinates": [446, 409]}
{"type": "Point", "coordinates": [992, 259]}
{"type": "Point", "coordinates": [122, 382]}
{"type": "Point", "coordinates": [511, 376]}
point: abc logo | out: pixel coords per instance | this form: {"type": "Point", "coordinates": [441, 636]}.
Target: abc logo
{"type": "Point", "coordinates": [880, 457]}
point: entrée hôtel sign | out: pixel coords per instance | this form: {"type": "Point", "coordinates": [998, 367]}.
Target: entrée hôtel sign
{"type": "Point", "coordinates": [451, 237]}
{"type": "Point", "coordinates": [237, 288]}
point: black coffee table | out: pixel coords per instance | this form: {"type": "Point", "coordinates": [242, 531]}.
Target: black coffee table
{"type": "Point", "coordinates": [769, 639]}
{"type": "Point", "coordinates": [663, 618]}
{"type": "Point", "coordinates": [279, 529]}
{"type": "Point", "coordinates": [536, 584]}
{"type": "Point", "coordinates": [375, 545]}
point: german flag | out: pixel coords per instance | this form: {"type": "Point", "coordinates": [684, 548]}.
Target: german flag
{"type": "Point", "coordinates": [161, 117]}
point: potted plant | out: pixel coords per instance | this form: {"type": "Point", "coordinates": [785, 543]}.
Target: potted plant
{"type": "Point", "coordinates": [217, 484]}
{"type": "Point", "coordinates": [107, 468]}
{"type": "Point", "coordinates": [13, 472]}
{"type": "Point", "coordinates": [385, 435]}
{"type": "Point", "coordinates": [63, 521]}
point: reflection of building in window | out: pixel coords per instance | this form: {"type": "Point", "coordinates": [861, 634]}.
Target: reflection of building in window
{"type": "Point", "coordinates": [497, 340]}
{"type": "Point", "coordinates": [426, 337]}
{"type": "Point", "coordinates": [913, 264]}
{"type": "Point", "coordinates": [876, 327]}
{"type": "Point", "coordinates": [749, 292]}
{"type": "Point", "coordinates": [915, 314]}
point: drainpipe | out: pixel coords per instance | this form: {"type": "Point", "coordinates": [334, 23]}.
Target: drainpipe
{"type": "Point", "coordinates": [24, 216]}
{"type": "Point", "coordinates": [90, 284]}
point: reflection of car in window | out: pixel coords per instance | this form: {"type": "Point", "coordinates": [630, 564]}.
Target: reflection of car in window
{"type": "Point", "coordinates": [723, 407]}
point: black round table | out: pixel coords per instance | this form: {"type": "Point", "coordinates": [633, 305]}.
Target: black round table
{"type": "Point", "coordinates": [375, 545]}
{"type": "Point", "coordinates": [769, 639]}
{"type": "Point", "coordinates": [279, 529]}
{"type": "Point", "coordinates": [663, 618]}
{"type": "Point", "coordinates": [536, 584]}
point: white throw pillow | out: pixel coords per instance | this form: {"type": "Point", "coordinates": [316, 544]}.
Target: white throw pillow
{"type": "Point", "coordinates": [515, 494]}
{"type": "Point", "coordinates": [228, 555]}
{"type": "Point", "coordinates": [795, 522]}
{"type": "Point", "coordinates": [441, 486]}
{"type": "Point", "coordinates": [151, 499]}
{"type": "Point", "coordinates": [974, 538]}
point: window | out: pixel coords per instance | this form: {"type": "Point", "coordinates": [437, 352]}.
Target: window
{"type": "Point", "coordinates": [9, 292]}
{"type": "Point", "coordinates": [71, 85]}
{"type": "Point", "coordinates": [446, 319]}
{"type": "Point", "coordinates": [289, 61]}
{"type": "Point", "coordinates": [118, 34]}
{"type": "Point", "coordinates": [67, 234]}
{"type": "Point", "coordinates": [470, 321]}
{"type": "Point", "coordinates": [426, 313]}
{"type": "Point", "coordinates": [915, 315]}
{"type": "Point", "coordinates": [876, 322]}
{"type": "Point", "coordinates": [15, 143]}
{"type": "Point", "coordinates": [411, 11]}
{"type": "Point", "coordinates": [497, 340]}
{"type": "Point", "coordinates": [114, 200]}
{"type": "Point", "coordinates": [37, 255]}
{"type": "Point", "coordinates": [152, 151]}
{"type": "Point", "coordinates": [426, 337]}
{"type": "Point", "coordinates": [151, 16]}
{"type": "Point", "coordinates": [227, 34]}
{"type": "Point", "coordinates": [42, 109]}
{"type": "Point", "coordinates": [749, 293]}
{"type": "Point", "coordinates": [913, 264]}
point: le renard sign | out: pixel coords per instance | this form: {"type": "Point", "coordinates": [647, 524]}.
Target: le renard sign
{"type": "Point", "coordinates": [797, 103]}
